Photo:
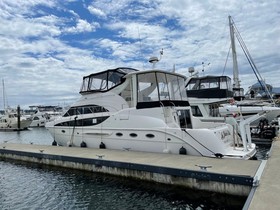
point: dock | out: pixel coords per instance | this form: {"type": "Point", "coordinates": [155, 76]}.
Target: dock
{"type": "Point", "coordinates": [229, 176]}
{"type": "Point", "coordinates": [255, 179]}
{"type": "Point", "coordinates": [267, 193]}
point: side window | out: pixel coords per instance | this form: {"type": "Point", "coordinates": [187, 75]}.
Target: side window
{"type": "Point", "coordinates": [184, 118]}
{"type": "Point", "coordinates": [196, 111]}
{"type": "Point", "coordinates": [84, 110]}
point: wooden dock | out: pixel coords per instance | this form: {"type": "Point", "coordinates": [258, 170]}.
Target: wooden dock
{"type": "Point", "coordinates": [229, 176]}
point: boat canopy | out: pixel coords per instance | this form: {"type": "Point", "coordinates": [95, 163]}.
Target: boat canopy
{"type": "Point", "coordinates": [209, 87]}
{"type": "Point", "coordinates": [105, 80]}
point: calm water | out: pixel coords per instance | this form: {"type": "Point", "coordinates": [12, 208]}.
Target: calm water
{"type": "Point", "coordinates": [33, 186]}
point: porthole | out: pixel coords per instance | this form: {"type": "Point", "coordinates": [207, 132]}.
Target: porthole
{"type": "Point", "coordinates": [119, 134]}
{"type": "Point", "coordinates": [63, 131]}
{"type": "Point", "coordinates": [149, 135]}
{"type": "Point", "coordinates": [133, 135]}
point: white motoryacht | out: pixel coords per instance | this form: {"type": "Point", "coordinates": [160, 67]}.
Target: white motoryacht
{"type": "Point", "coordinates": [14, 120]}
{"type": "Point", "coordinates": [44, 114]}
{"type": "Point", "coordinates": [148, 111]}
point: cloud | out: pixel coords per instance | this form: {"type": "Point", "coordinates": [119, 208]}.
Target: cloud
{"type": "Point", "coordinates": [96, 11]}
{"type": "Point", "coordinates": [48, 46]}
{"type": "Point", "coordinates": [82, 26]}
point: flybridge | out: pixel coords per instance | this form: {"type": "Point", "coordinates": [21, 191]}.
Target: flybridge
{"type": "Point", "coordinates": [137, 86]}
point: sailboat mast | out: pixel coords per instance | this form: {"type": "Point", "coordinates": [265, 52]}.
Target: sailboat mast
{"type": "Point", "coordinates": [4, 96]}
{"type": "Point", "coordinates": [236, 81]}
{"type": "Point", "coordinates": [238, 92]}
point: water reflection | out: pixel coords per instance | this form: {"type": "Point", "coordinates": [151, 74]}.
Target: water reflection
{"type": "Point", "coordinates": [33, 186]}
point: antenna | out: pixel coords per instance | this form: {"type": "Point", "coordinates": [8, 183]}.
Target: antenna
{"type": "Point", "coordinates": [192, 72]}
{"type": "Point", "coordinates": [203, 67]}
{"type": "Point", "coordinates": [141, 54]}
{"type": "Point", "coordinates": [153, 60]}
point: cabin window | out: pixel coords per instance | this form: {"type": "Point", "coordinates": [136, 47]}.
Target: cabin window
{"type": "Point", "coordinates": [225, 83]}
{"type": "Point", "coordinates": [147, 88]}
{"type": "Point", "coordinates": [84, 110]}
{"type": "Point", "coordinates": [150, 135]}
{"type": "Point", "coordinates": [102, 81]}
{"type": "Point", "coordinates": [127, 93]}
{"type": "Point", "coordinates": [209, 83]}
{"type": "Point", "coordinates": [88, 110]}
{"type": "Point", "coordinates": [184, 118]}
{"type": "Point", "coordinates": [119, 134]}
{"type": "Point", "coordinates": [196, 111]}
{"type": "Point", "coordinates": [214, 110]}
{"type": "Point", "coordinates": [133, 135]}
{"type": "Point", "coordinates": [83, 122]}
{"type": "Point", "coordinates": [163, 87]}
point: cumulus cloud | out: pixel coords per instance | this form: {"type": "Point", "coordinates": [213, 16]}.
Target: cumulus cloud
{"type": "Point", "coordinates": [96, 11]}
{"type": "Point", "coordinates": [82, 26]}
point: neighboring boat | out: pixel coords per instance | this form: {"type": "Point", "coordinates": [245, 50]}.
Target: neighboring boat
{"type": "Point", "coordinates": [44, 114]}
{"type": "Point", "coordinates": [11, 120]}
{"type": "Point", "coordinates": [148, 111]}
{"type": "Point", "coordinates": [211, 99]}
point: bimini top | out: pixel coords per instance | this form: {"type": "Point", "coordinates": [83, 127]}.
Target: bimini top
{"type": "Point", "coordinates": [105, 80]}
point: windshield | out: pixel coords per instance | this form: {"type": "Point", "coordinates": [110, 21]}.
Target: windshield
{"type": "Point", "coordinates": [159, 86]}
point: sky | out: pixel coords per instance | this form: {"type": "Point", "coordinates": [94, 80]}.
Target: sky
{"type": "Point", "coordinates": [48, 46]}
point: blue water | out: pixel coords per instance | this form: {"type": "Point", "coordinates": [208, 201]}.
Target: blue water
{"type": "Point", "coordinates": [33, 186]}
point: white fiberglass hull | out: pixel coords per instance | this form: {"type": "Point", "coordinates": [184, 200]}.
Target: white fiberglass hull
{"type": "Point", "coordinates": [13, 125]}
{"type": "Point", "coordinates": [161, 140]}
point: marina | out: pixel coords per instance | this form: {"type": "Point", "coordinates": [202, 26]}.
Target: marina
{"type": "Point", "coordinates": [139, 125]}
{"type": "Point", "coordinates": [138, 134]}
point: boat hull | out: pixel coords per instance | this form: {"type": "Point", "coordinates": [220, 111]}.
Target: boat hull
{"type": "Point", "coordinates": [160, 140]}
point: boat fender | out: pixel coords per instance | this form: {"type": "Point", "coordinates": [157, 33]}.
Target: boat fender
{"type": "Point", "coordinates": [218, 155]}
{"type": "Point", "coordinates": [83, 144]}
{"type": "Point", "coordinates": [102, 146]}
{"type": "Point", "coordinates": [54, 143]}
{"type": "Point", "coordinates": [182, 151]}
